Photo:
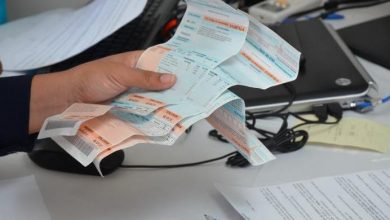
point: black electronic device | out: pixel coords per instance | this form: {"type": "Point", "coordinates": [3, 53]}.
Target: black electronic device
{"type": "Point", "coordinates": [140, 33]}
{"type": "Point", "coordinates": [329, 72]}
{"type": "Point", "coordinates": [370, 40]}
{"type": "Point", "coordinates": [49, 155]}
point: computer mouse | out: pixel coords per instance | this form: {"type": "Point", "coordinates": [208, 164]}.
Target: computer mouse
{"type": "Point", "coordinates": [47, 154]}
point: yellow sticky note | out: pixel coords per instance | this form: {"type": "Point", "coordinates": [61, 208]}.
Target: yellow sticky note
{"type": "Point", "coordinates": [351, 132]}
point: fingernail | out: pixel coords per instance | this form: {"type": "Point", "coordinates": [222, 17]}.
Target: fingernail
{"type": "Point", "coordinates": [167, 78]}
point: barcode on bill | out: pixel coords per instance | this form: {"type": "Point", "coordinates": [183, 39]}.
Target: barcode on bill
{"type": "Point", "coordinates": [80, 144]}
{"type": "Point", "coordinates": [60, 124]}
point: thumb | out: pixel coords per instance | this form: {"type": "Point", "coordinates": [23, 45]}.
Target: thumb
{"type": "Point", "coordinates": [146, 79]}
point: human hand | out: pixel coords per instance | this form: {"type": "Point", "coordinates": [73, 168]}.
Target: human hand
{"type": "Point", "coordinates": [93, 82]}
{"type": "Point", "coordinates": [103, 79]}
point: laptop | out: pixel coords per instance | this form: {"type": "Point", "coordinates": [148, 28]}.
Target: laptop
{"type": "Point", "coordinates": [370, 40]}
{"type": "Point", "coordinates": [328, 72]}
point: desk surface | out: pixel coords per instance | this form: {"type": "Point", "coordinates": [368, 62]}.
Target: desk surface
{"type": "Point", "coordinates": [189, 193]}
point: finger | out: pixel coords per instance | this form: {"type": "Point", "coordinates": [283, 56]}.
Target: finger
{"type": "Point", "coordinates": [129, 59]}
{"type": "Point", "coordinates": [145, 79]}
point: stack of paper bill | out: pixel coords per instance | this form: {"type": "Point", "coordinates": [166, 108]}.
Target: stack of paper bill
{"type": "Point", "coordinates": [215, 47]}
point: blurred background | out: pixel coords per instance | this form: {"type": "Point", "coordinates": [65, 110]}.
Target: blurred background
{"type": "Point", "coordinates": [21, 8]}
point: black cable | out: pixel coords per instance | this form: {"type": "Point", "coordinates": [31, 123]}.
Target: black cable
{"type": "Point", "coordinates": [288, 141]}
{"type": "Point", "coordinates": [179, 165]}
{"type": "Point", "coordinates": [284, 140]}
{"type": "Point", "coordinates": [291, 91]}
{"type": "Point", "coordinates": [306, 122]}
{"type": "Point", "coordinates": [214, 133]}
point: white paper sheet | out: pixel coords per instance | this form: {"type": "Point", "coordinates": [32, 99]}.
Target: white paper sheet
{"type": "Point", "coordinates": [58, 36]}
{"type": "Point", "coordinates": [364, 195]}
{"type": "Point", "coordinates": [20, 199]}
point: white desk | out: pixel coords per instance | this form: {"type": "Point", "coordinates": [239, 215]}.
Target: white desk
{"type": "Point", "coordinates": [188, 193]}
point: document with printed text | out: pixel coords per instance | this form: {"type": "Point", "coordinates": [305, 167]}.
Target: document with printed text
{"type": "Point", "coordinates": [52, 37]}
{"type": "Point", "coordinates": [364, 195]}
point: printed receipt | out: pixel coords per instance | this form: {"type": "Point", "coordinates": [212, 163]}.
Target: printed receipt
{"type": "Point", "coordinates": [214, 48]}
{"type": "Point", "coordinates": [364, 195]}
{"type": "Point", "coordinates": [351, 132]}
